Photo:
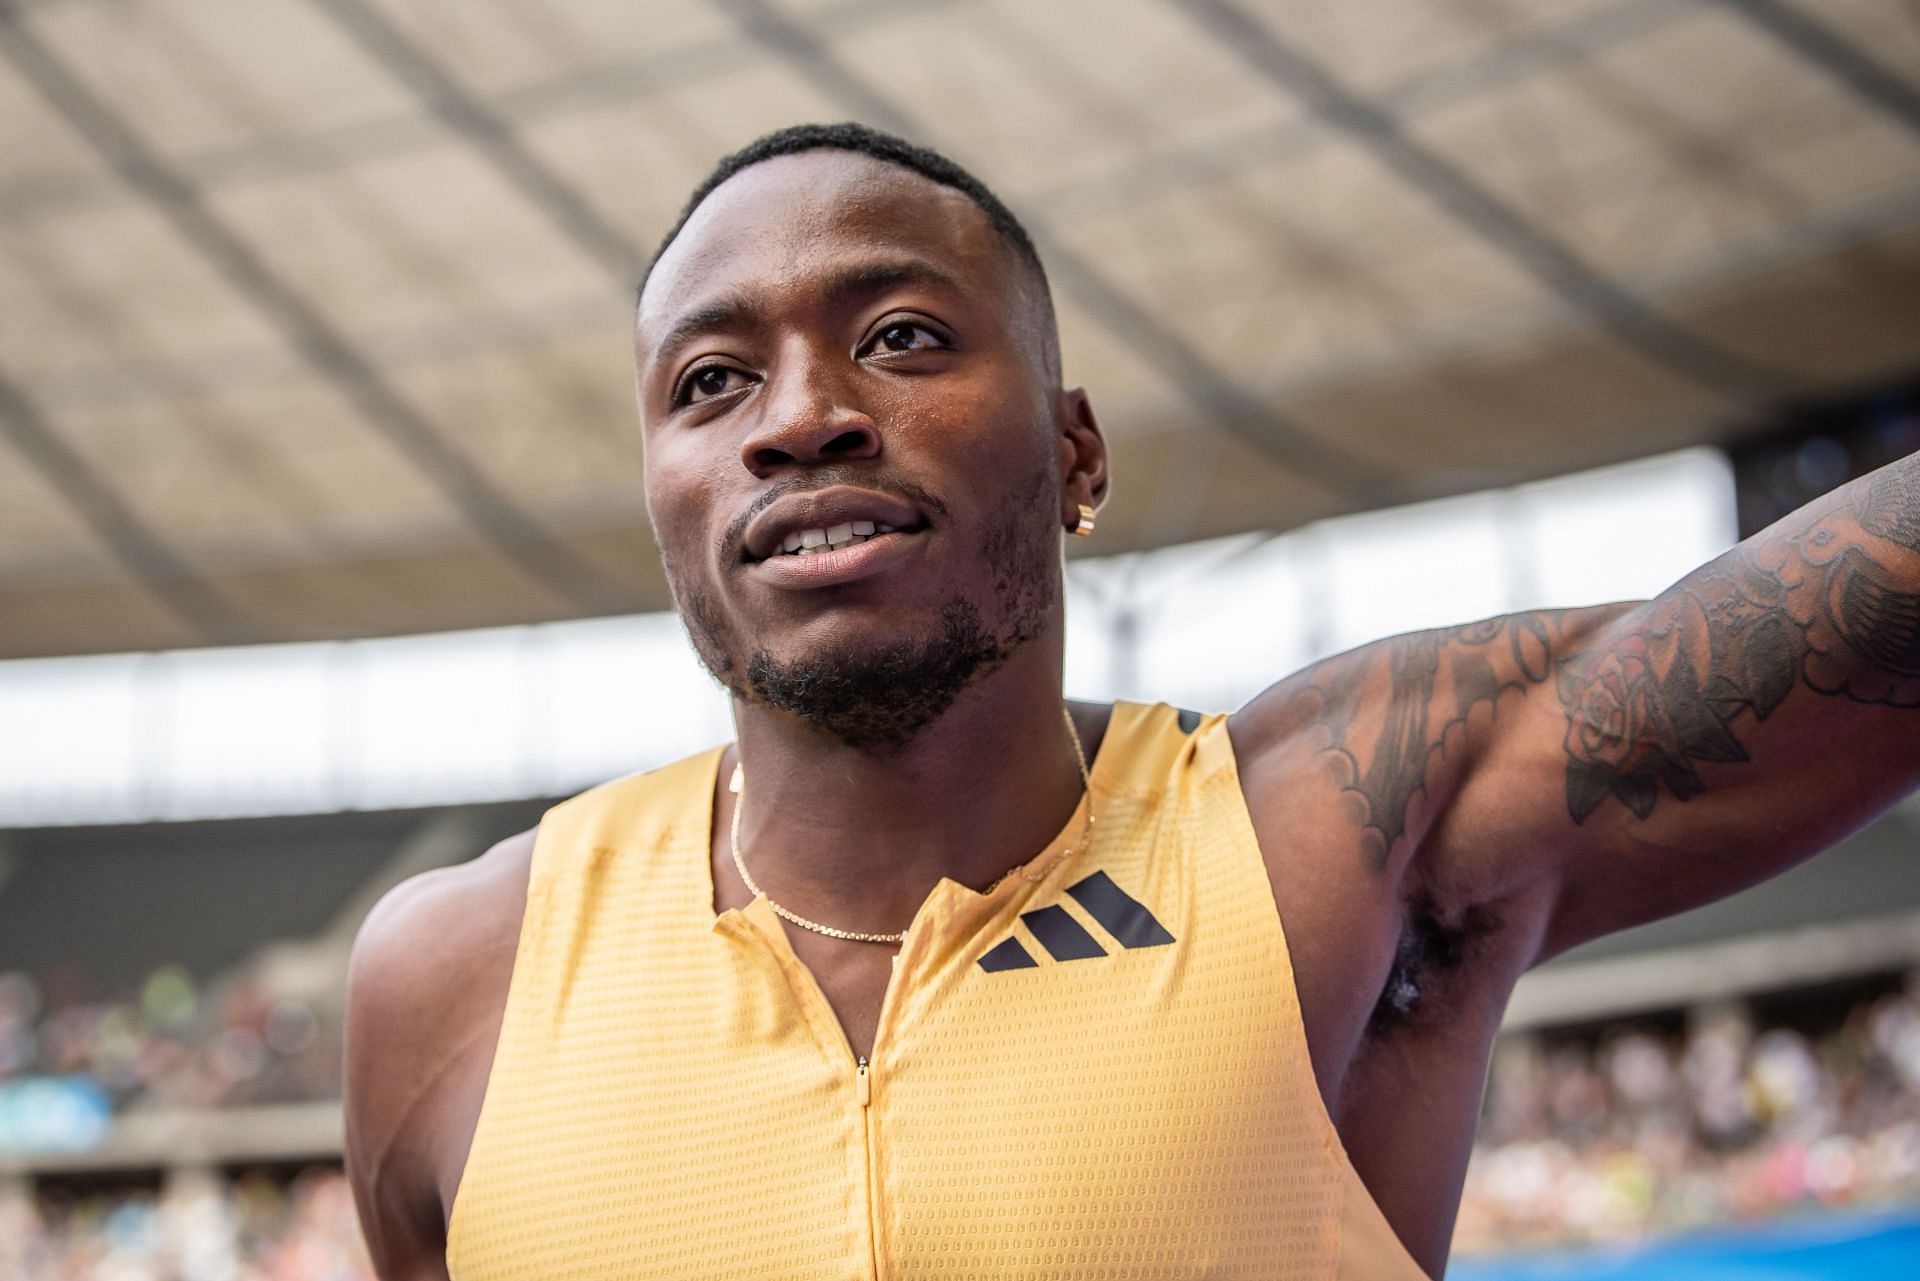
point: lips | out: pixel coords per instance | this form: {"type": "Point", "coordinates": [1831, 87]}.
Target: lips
{"type": "Point", "coordinates": [873, 557]}
{"type": "Point", "coordinates": [826, 521]}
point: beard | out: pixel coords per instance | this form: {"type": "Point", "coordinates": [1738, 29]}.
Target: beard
{"type": "Point", "coordinates": [879, 697]}
{"type": "Point", "coordinates": [875, 697]}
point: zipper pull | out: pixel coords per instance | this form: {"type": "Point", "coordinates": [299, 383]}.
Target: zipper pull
{"type": "Point", "coordinates": [862, 1083]}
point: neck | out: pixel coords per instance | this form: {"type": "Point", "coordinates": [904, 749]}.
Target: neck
{"type": "Point", "coordinates": [858, 839]}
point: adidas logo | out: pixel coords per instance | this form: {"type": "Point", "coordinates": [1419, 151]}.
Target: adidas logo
{"type": "Point", "coordinates": [1121, 915]}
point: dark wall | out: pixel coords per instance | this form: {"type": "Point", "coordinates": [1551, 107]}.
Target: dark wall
{"type": "Point", "coordinates": [107, 905]}
{"type": "Point", "coordinates": [1814, 448]}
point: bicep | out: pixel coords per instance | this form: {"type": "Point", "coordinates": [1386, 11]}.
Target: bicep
{"type": "Point", "coordinates": [1750, 716]}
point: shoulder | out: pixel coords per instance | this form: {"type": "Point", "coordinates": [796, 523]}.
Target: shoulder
{"type": "Point", "coordinates": [1289, 737]}
{"type": "Point", "coordinates": [422, 936]}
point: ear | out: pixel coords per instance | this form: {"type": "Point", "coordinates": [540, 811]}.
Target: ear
{"type": "Point", "coordinates": [1083, 455]}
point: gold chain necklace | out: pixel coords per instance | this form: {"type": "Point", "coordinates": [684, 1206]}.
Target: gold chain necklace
{"type": "Point", "coordinates": [739, 786]}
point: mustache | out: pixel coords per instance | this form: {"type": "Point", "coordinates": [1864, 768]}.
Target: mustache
{"type": "Point", "coordinates": [822, 478]}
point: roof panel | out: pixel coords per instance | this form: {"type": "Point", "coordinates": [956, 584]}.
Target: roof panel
{"type": "Point", "coordinates": [83, 615]}
{"type": "Point", "coordinates": [1296, 265]}
{"type": "Point", "coordinates": [196, 74]}
{"type": "Point", "coordinates": [1020, 92]}
{"type": "Point", "coordinates": [1369, 44]}
{"type": "Point", "coordinates": [43, 538]}
{"type": "Point", "coordinates": [1889, 34]}
{"type": "Point", "coordinates": [1835, 318]}
{"type": "Point", "coordinates": [640, 159]}
{"type": "Point", "coordinates": [181, 469]}
{"type": "Point", "coordinates": [1473, 417]}
{"type": "Point", "coordinates": [496, 47]}
{"type": "Point", "coordinates": [1129, 396]}
{"type": "Point", "coordinates": [404, 241]}
{"type": "Point", "coordinates": [1645, 157]}
{"type": "Point", "coordinates": [461, 584]}
{"type": "Point", "coordinates": [116, 283]}
{"type": "Point", "coordinates": [37, 148]}
{"type": "Point", "coordinates": [276, 475]}
{"type": "Point", "coordinates": [555, 426]}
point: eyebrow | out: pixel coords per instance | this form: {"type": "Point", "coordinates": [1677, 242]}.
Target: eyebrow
{"type": "Point", "coordinates": [845, 287]}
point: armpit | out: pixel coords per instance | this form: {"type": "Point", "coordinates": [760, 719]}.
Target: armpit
{"type": "Point", "coordinates": [1431, 947]}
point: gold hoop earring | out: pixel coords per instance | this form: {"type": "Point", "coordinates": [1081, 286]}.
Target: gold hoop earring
{"type": "Point", "coordinates": [1085, 527]}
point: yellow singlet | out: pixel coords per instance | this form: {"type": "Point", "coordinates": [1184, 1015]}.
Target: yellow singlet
{"type": "Point", "coordinates": [1100, 1072]}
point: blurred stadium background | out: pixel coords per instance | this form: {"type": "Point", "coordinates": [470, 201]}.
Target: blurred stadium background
{"type": "Point", "coordinates": [323, 559]}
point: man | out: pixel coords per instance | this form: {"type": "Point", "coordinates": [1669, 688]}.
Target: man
{"type": "Point", "coordinates": [903, 983]}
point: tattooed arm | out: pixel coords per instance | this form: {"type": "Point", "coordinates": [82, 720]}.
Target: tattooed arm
{"type": "Point", "coordinates": [1759, 710]}
{"type": "Point", "coordinates": [1614, 765]}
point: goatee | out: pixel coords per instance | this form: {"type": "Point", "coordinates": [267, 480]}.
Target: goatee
{"type": "Point", "coordinates": [880, 698]}
{"type": "Point", "coordinates": [876, 696]}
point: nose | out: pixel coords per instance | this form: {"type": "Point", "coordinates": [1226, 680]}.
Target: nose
{"type": "Point", "coordinates": [807, 418]}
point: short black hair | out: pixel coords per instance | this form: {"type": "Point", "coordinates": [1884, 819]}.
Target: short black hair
{"type": "Point", "coordinates": [849, 136]}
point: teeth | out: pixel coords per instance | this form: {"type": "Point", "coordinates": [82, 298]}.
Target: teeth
{"type": "Point", "coordinates": [808, 542]}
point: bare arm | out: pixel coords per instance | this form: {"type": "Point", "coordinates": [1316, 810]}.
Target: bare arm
{"type": "Point", "coordinates": [1753, 714]}
{"type": "Point", "coordinates": [1614, 765]}
{"type": "Point", "coordinates": [425, 991]}
{"type": "Point", "coordinates": [392, 1184]}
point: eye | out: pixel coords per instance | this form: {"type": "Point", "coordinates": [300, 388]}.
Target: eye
{"type": "Point", "coordinates": [704, 382]}
{"type": "Point", "coordinates": [903, 336]}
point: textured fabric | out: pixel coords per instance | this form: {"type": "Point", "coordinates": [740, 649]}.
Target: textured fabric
{"type": "Point", "coordinates": [1099, 1072]}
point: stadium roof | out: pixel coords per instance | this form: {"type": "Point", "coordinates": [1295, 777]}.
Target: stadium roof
{"type": "Point", "coordinates": [316, 310]}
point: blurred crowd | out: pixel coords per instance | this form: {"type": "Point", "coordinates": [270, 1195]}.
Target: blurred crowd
{"type": "Point", "coordinates": [1626, 1133]}
{"type": "Point", "coordinates": [197, 1228]}
{"type": "Point", "coordinates": [1638, 1133]}
{"type": "Point", "coordinates": [170, 1044]}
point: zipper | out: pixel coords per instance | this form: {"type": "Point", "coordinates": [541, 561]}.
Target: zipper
{"type": "Point", "coordinates": [863, 1094]}
{"type": "Point", "coordinates": [819, 1013]}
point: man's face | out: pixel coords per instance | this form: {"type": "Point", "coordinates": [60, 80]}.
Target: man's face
{"type": "Point", "coordinates": [834, 345]}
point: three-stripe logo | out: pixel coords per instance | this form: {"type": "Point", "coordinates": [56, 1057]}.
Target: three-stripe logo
{"type": "Point", "coordinates": [1065, 939]}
